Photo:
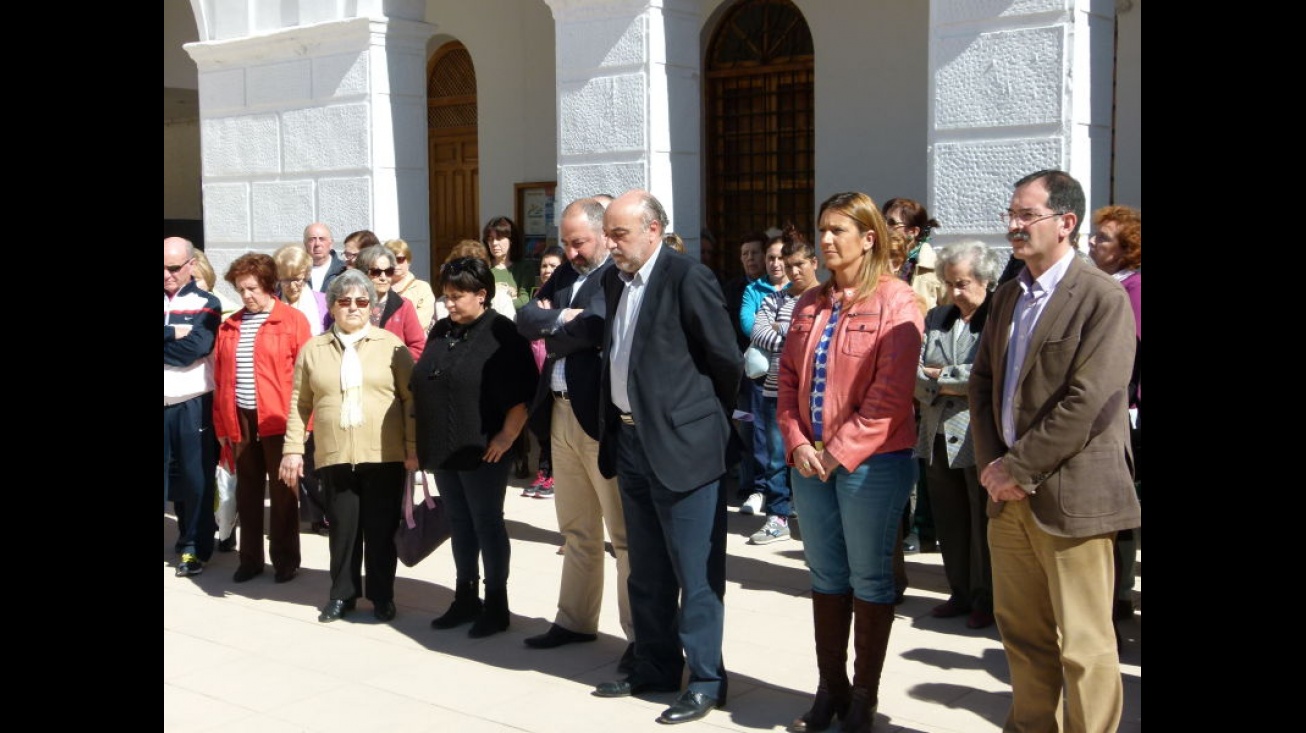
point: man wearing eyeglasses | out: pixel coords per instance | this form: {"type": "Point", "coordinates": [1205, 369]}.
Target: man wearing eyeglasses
{"type": "Point", "coordinates": [326, 265]}
{"type": "Point", "coordinates": [190, 459]}
{"type": "Point", "coordinates": [1048, 396]}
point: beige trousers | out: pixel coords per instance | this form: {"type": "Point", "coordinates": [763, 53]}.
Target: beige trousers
{"type": "Point", "coordinates": [1052, 600]}
{"type": "Point", "coordinates": [585, 503]}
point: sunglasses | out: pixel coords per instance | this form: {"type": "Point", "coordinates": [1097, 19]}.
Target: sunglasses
{"type": "Point", "coordinates": [378, 272]}
{"type": "Point", "coordinates": [456, 266]}
{"type": "Point", "coordinates": [400, 259]}
{"type": "Point", "coordinates": [356, 302]}
{"type": "Point", "coordinates": [174, 269]}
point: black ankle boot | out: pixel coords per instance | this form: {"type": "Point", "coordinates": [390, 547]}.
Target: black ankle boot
{"type": "Point", "coordinates": [466, 606]}
{"type": "Point", "coordinates": [494, 616]}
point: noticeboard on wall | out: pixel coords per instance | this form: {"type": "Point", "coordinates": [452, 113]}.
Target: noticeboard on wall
{"type": "Point", "coordinates": [535, 216]}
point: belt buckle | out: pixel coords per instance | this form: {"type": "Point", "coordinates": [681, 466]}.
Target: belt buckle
{"type": "Point", "coordinates": [628, 418]}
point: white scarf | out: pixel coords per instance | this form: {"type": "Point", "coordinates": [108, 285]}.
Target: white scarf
{"type": "Point", "coordinates": [351, 377]}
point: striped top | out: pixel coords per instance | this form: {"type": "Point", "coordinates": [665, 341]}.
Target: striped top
{"type": "Point", "coordinates": [249, 326]}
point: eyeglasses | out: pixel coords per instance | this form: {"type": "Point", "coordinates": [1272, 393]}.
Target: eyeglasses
{"type": "Point", "coordinates": [174, 269]}
{"type": "Point", "coordinates": [292, 281]}
{"type": "Point", "coordinates": [400, 259]}
{"type": "Point", "coordinates": [895, 224]}
{"type": "Point", "coordinates": [1026, 218]}
{"type": "Point", "coordinates": [356, 302]}
{"type": "Point", "coordinates": [350, 256]}
{"type": "Point", "coordinates": [378, 272]}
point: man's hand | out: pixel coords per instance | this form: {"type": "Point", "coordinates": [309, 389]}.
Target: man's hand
{"type": "Point", "coordinates": [570, 313]}
{"type": "Point", "coordinates": [182, 330]}
{"type": "Point", "coordinates": [998, 482]}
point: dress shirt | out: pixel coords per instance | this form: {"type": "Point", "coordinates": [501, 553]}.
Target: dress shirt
{"type": "Point", "coordinates": [1034, 297]}
{"type": "Point", "coordinates": [623, 327]}
{"type": "Point", "coordinates": [558, 380]}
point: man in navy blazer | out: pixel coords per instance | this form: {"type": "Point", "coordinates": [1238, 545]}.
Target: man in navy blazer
{"type": "Point", "coordinates": [670, 378]}
{"type": "Point", "coordinates": [568, 313]}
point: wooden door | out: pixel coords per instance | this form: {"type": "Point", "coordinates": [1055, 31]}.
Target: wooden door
{"type": "Point", "coordinates": [452, 149]}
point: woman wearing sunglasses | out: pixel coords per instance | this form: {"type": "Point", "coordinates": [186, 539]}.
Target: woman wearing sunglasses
{"type": "Point", "coordinates": [406, 283]}
{"type": "Point", "coordinates": [352, 381]}
{"type": "Point", "coordinates": [390, 310]}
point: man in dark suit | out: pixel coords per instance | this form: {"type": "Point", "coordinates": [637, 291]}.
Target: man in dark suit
{"type": "Point", "coordinates": [568, 313]}
{"type": "Point", "coordinates": [1048, 396]}
{"type": "Point", "coordinates": [671, 374]}
{"type": "Point", "coordinates": [326, 265]}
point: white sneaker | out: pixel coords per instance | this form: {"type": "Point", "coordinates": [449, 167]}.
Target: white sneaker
{"type": "Point", "coordinates": [753, 504]}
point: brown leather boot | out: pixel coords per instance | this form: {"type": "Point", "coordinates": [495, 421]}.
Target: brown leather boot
{"type": "Point", "coordinates": [871, 625]}
{"type": "Point", "coordinates": [832, 619]}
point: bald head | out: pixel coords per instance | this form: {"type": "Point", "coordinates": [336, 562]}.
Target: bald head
{"type": "Point", "coordinates": [178, 258]}
{"type": "Point", "coordinates": [318, 242]}
{"type": "Point", "coordinates": [634, 223]}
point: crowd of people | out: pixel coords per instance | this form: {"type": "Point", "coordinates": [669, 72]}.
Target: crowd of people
{"type": "Point", "coordinates": [1009, 407]}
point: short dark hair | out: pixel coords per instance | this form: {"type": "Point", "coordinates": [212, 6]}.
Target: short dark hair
{"type": "Point", "coordinates": [554, 250]}
{"type": "Point", "coordinates": [793, 243]}
{"type": "Point", "coordinates": [467, 275]}
{"type": "Point", "coordinates": [1065, 195]}
{"type": "Point", "coordinates": [365, 237]}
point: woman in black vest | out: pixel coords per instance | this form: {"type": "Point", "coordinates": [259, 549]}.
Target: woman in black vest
{"type": "Point", "coordinates": [471, 388]}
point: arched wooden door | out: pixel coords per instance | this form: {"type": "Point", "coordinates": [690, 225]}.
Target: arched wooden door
{"type": "Point", "coordinates": [452, 148]}
{"type": "Point", "coordinates": [761, 130]}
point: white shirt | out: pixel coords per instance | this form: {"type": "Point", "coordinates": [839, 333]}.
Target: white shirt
{"type": "Point", "coordinates": [316, 274]}
{"type": "Point", "coordinates": [1034, 297]}
{"type": "Point", "coordinates": [558, 380]}
{"type": "Point", "coordinates": [623, 327]}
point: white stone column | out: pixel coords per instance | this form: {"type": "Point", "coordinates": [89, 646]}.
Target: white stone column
{"type": "Point", "coordinates": [325, 122]}
{"type": "Point", "coordinates": [629, 103]}
{"type": "Point", "coordinates": [1015, 88]}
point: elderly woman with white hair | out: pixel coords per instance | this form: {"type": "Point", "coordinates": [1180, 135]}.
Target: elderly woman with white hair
{"type": "Point", "coordinates": [969, 272]}
{"type": "Point", "coordinates": [353, 382]}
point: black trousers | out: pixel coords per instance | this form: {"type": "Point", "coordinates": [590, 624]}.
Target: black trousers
{"type": "Point", "coordinates": [363, 505]}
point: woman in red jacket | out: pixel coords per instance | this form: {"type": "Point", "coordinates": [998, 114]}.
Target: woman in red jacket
{"type": "Point", "coordinates": [391, 311]}
{"type": "Point", "coordinates": [847, 374]}
{"type": "Point", "coordinates": [254, 370]}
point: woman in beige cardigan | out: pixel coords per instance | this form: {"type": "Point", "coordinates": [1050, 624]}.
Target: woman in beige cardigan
{"type": "Point", "coordinates": [352, 382]}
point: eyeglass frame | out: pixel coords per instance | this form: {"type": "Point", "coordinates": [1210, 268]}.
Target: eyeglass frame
{"type": "Point", "coordinates": [174, 269]}
{"type": "Point", "coordinates": [377, 272]}
{"type": "Point", "coordinates": [292, 280]}
{"type": "Point", "coordinates": [362, 302]}
{"type": "Point", "coordinates": [1006, 218]}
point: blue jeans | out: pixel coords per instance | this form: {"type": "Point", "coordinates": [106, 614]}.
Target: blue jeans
{"type": "Point", "coordinates": [478, 534]}
{"type": "Point", "coordinates": [850, 525]}
{"type": "Point", "coordinates": [748, 467]}
{"type": "Point", "coordinates": [769, 451]}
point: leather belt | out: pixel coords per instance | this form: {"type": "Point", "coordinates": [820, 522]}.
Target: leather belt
{"type": "Point", "coordinates": [561, 395]}
{"type": "Point", "coordinates": [628, 418]}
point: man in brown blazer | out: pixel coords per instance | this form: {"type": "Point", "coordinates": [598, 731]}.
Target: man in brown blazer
{"type": "Point", "coordinates": [1051, 431]}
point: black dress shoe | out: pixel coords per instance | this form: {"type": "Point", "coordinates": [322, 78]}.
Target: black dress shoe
{"type": "Point", "coordinates": [335, 610]}
{"type": "Point", "coordinates": [244, 574]}
{"type": "Point", "coordinates": [628, 687]}
{"type": "Point", "coordinates": [557, 636]}
{"type": "Point", "coordinates": [627, 663]}
{"type": "Point", "coordinates": [285, 576]}
{"type": "Point", "coordinates": [689, 706]}
{"type": "Point", "coordinates": [384, 611]}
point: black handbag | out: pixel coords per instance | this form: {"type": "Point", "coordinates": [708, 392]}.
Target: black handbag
{"type": "Point", "coordinates": [425, 525]}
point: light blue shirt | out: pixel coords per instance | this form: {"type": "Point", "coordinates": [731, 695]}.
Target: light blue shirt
{"type": "Point", "coordinates": [623, 328]}
{"type": "Point", "coordinates": [1034, 297]}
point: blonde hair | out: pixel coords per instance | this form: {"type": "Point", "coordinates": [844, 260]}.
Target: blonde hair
{"type": "Point", "coordinates": [292, 262]}
{"type": "Point", "coordinates": [400, 248]}
{"type": "Point", "coordinates": [204, 269]}
{"type": "Point", "coordinates": [866, 215]}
